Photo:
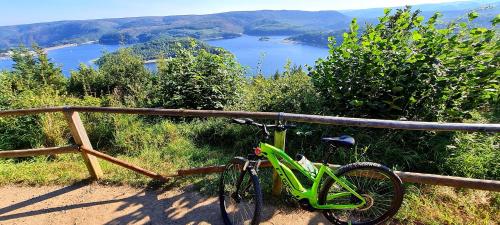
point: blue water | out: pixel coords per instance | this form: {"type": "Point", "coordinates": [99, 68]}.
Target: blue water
{"type": "Point", "coordinates": [70, 57]}
{"type": "Point", "coordinates": [267, 56]}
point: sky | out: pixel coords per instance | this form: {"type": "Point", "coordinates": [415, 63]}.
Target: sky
{"type": "Point", "coordinates": [13, 12]}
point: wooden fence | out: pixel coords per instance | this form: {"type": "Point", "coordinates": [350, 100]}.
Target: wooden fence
{"type": "Point", "coordinates": [84, 147]}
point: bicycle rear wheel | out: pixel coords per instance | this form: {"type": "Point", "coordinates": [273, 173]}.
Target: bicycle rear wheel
{"type": "Point", "coordinates": [379, 186]}
{"type": "Point", "coordinates": [240, 196]}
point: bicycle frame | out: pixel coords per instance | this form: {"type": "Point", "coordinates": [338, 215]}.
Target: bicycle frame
{"type": "Point", "coordinates": [273, 154]}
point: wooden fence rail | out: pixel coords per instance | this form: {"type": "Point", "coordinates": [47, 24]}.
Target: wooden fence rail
{"type": "Point", "coordinates": [330, 120]}
{"type": "Point", "coordinates": [89, 155]}
{"type": "Point", "coordinates": [39, 151]}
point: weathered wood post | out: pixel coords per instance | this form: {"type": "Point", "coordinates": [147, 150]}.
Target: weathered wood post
{"type": "Point", "coordinates": [81, 139]}
{"type": "Point", "coordinates": [279, 142]}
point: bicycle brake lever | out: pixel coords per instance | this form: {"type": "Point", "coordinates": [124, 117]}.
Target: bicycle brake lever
{"type": "Point", "coordinates": [266, 131]}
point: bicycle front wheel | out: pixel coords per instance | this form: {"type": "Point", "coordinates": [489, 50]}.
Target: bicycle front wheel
{"type": "Point", "coordinates": [378, 185]}
{"type": "Point", "coordinates": [240, 196]}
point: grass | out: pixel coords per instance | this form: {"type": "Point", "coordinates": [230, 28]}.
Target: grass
{"type": "Point", "coordinates": [445, 205]}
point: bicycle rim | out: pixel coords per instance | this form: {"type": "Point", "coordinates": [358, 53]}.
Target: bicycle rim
{"type": "Point", "coordinates": [239, 207]}
{"type": "Point", "coordinates": [381, 190]}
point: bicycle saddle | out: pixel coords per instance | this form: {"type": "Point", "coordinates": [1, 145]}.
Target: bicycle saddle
{"type": "Point", "coordinates": [342, 141]}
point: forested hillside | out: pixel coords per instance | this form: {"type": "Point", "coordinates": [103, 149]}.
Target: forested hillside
{"type": "Point", "coordinates": [141, 29]}
{"type": "Point", "coordinates": [166, 47]}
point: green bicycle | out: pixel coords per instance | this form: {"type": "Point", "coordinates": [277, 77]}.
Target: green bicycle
{"type": "Point", "coordinates": [357, 193]}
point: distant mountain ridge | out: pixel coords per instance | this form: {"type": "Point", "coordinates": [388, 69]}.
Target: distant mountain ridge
{"type": "Point", "coordinates": [141, 29]}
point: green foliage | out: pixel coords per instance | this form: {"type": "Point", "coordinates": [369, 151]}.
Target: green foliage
{"type": "Point", "coordinates": [403, 67]}
{"type": "Point", "coordinates": [197, 79]}
{"type": "Point", "coordinates": [233, 139]}
{"type": "Point", "coordinates": [117, 38]}
{"type": "Point", "coordinates": [290, 91]}
{"type": "Point", "coordinates": [165, 47]}
{"type": "Point", "coordinates": [319, 39]}
{"type": "Point", "coordinates": [125, 77]}
{"type": "Point", "coordinates": [132, 135]}
{"type": "Point", "coordinates": [446, 205]}
{"type": "Point", "coordinates": [87, 81]}
{"type": "Point", "coordinates": [33, 70]}
{"type": "Point", "coordinates": [6, 92]}
{"type": "Point", "coordinates": [474, 156]}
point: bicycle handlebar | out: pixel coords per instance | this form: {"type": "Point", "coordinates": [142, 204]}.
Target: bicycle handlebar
{"type": "Point", "coordinates": [248, 121]}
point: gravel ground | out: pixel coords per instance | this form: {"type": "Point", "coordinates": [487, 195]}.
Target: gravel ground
{"type": "Point", "coordinates": [97, 204]}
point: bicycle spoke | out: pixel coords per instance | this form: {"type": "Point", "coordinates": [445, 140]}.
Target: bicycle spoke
{"type": "Point", "coordinates": [376, 188]}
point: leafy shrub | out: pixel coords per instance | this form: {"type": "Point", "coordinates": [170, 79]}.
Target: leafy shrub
{"type": "Point", "coordinates": [291, 91]}
{"type": "Point", "coordinates": [197, 79]}
{"type": "Point", "coordinates": [403, 67]}
{"type": "Point", "coordinates": [87, 81]}
{"type": "Point", "coordinates": [125, 76]}
{"type": "Point", "coordinates": [235, 139]}
{"type": "Point", "coordinates": [33, 70]}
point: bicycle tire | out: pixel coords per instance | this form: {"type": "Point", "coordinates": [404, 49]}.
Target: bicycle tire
{"type": "Point", "coordinates": [250, 175]}
{"type": "Point", "coordinates": [396, 199]}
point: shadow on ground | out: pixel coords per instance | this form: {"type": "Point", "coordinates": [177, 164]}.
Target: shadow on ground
{"type": "Point", "coordinates": [138, 206]}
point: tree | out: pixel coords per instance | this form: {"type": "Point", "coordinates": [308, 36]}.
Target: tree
{"type": "Point", "coordinates": [126, 77]}
{"type": "Point", "coordinates": [197, 79]}
{"type": "Point", "coordinates": [35, 71]}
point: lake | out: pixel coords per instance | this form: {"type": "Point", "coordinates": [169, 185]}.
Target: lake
{"type": "Point", "coordinates": [268, 56]}
{"type": "Point", "coordinates": [69, 58]}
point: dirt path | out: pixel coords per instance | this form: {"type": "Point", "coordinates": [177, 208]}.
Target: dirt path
{"type": "Point", "coordinates": [96, 204]}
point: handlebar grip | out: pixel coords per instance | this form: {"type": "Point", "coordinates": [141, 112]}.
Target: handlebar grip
{"type": "Point", "coordinates": [243, 121]}
{"type": "Point", "coordinates": [238, 121]}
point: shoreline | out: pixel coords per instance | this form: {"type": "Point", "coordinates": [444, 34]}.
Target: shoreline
{"type": "Point", "coordinates": [8, 55]}
{"type": "Point", "coordinates": [67, 46]}
{"type": "Point", "coordinates": [150, 61]}
{"type": "Point", "coordinates": [59, 47]}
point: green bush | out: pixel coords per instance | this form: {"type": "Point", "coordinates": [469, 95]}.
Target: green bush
{"type": "Point", "coordinates": [405, 68]}
{"type": "Point", "coordinates": [125, 77]}
{"type": "Point", "coordinates": [33, 71]}
{"type": "Point", "coordinates": [291, 91]}
{"type": "Point", "coordinates": [234, 139]}
{"type": "Point", "coordinates": [87, 81]}
{"type": "Point", "coordinates": [197, 79]}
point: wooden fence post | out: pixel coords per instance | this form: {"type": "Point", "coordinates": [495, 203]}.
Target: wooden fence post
{"type": "Point", "coordinates": [279, 142]}
{"type": "Point", "coordinates": [80, 136]}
